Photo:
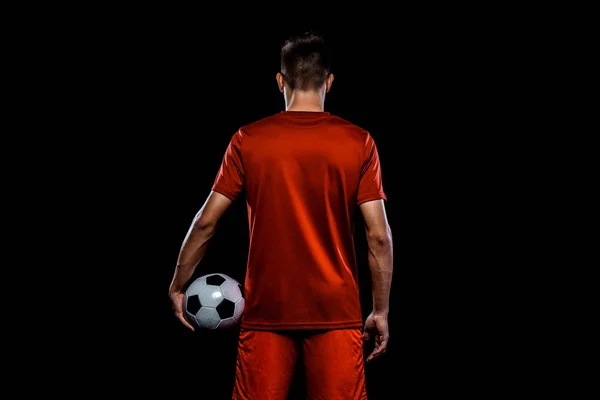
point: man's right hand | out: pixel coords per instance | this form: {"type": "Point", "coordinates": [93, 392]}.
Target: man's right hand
{"type": "Point", "coordinates": [376, 327]}
{"type": "Point", "coordinates": [177, 299]}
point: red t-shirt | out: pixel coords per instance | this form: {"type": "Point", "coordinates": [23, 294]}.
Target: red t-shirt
{"type": "Point", "coordinates": [303, 173]}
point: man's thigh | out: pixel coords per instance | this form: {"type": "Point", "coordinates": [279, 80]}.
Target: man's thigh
{"type": "Point", "coordinates": [265, 365]}
{"type": "Point", "coordinates": [334, 365]}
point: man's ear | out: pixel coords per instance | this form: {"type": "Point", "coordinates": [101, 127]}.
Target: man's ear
{"type": "Point", "coordinates": [329, 82]}
{"type": "Point", "coordinates": [280, 81]}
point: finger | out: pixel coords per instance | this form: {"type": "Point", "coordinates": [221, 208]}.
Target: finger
{"type": "Point", "coordinates": [380, 349]}
{"type": "Point", "coordinates": [184, 321]}
{"type": "Point", "coordinates": [375, 355]}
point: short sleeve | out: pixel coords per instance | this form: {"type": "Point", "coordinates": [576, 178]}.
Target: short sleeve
{"type": "Point", "coordinates": [370, 186]}
{"type": "Point", "coordinates": [230, 178]}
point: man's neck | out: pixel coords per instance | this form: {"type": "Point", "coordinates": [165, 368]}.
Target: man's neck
{"type": "Point", "coordinates": [305, 101]}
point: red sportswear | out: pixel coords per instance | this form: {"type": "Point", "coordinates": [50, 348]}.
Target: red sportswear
{"type": "Point", "coordinates": [304, 174]}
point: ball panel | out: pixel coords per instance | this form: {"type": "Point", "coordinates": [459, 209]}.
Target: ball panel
{"type": "Point", "coordinates": [208, 318]}
{"type": "Point", "coordinates": [192, 304]}
{"type": "Point", "coordinates": [227, 323]}
{"type": "Point", "coordinates": [227, 277]}
{"type": "Point", "coordinates": [196, 286]}
{"type": "Point", "coordinates": [215, 280]}
{"type": "Point", "coordinates": [210, 296]}
{"type": "Point", "coordinates": [226, 309]}
{"type": "Point", "coordinates": [231, 290]}
{"type": "Point", "coordinates": [239, 309]}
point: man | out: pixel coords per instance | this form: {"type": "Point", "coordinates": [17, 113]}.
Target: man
{"type": "Point", "coordinates": [305, 173]}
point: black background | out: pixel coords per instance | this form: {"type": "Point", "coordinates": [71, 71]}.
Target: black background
{"type": "Point", "coordinates": [167, 97]}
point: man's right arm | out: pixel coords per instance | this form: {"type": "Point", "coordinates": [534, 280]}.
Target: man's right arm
{"type": "Point", "coordinates": [379, 240]}
{"type": "Point", "coordinates": [380, 257]}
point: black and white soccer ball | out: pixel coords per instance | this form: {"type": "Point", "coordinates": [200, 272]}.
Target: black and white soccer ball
{"type": "Point", "coordinates": [214, 301]}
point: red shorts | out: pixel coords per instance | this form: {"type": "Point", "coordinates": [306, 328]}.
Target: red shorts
{"type": "Point", "coordinates": [333, 364]}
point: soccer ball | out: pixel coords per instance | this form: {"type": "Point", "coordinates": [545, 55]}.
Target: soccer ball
{"type": "Point", "coordinates": [214, 301]}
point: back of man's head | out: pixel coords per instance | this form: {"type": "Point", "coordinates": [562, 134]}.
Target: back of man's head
{"type": "Point", "coordinates": [305, 62]}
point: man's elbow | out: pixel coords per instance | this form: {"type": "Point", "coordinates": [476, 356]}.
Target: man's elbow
{"type": "Point", "coordinates": [205, 225]}
{"type": "Point", "coordinates": [380, 239]}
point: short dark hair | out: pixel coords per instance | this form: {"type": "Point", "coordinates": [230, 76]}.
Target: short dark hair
{"type": "Point", "coordinates": [305, 61]}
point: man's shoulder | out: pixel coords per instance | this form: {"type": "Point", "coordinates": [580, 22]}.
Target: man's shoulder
{"type": "Point", "coordinates": [345, 124]}
{"type": "Point", "coordinates": [260, 124]}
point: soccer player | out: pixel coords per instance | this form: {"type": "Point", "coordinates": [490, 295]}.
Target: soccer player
{"type": "Point", "coordinates": [304, 173]}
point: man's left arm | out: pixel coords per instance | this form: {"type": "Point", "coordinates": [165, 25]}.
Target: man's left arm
{"type": "Point", "coordinates": [194, 248]}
